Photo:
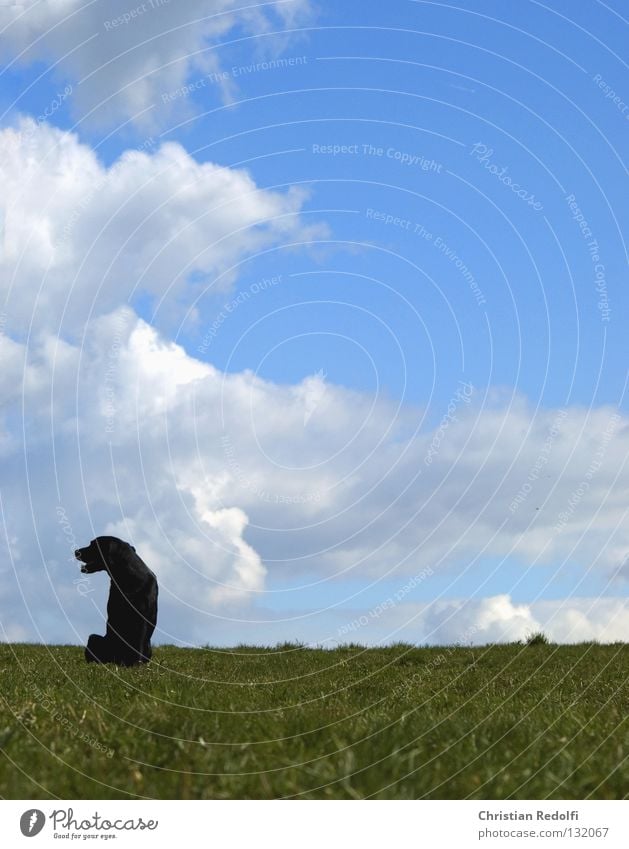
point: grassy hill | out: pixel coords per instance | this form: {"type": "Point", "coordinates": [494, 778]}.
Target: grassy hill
{"type": "Point", "coordinates": [508, 721]}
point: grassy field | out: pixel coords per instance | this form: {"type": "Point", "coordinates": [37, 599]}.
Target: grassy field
{"type": "Point", "coordinates": [509, 721]}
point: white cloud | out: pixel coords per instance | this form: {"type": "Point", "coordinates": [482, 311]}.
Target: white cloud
{"type": "Point", "coordinates": [225, 481]}
{"type": "Point", "coordinates": [493, 619]}
{"type": "Point", "coordinates": [80, 239]}
{"type": "Point", "coordinates": [121, 56]}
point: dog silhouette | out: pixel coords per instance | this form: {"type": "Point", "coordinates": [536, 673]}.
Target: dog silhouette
{"type": "Point", "coordinates": [132, 604]}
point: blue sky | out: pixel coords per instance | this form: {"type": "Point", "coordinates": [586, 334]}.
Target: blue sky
{"type": "Point", "coordinates": [450, 181]}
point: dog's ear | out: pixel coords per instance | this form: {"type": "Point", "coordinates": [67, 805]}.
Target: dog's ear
{"type": "Point", "coordinates": [128, 571]}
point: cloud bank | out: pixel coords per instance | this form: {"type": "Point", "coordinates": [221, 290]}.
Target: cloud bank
{"type": "Point", "coordinates": [231, 485]}
{"type": "Point", "coordinates": [227, 483]}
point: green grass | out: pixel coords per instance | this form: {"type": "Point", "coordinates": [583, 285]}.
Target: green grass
{"type": "Point", "coordinates": [502, 722]}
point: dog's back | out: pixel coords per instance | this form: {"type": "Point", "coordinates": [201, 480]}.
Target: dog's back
{"type": "Point", "coordinates": [132, 604]}
{"type": "Point", "coordinates": [132, 609]}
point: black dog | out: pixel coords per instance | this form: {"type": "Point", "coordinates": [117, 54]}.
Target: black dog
{"type": "Point", "coordinates": [132, 605]}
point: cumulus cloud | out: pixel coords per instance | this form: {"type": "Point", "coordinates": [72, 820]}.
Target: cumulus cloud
{"type": "Point", "coordinates": [81, 238]}
{"type": "Point", "coordinates": [494, 619]}
{"type": "Point", "coordinates": [228, 482]}
{"type": "Point", "coordinates": [122, 56]}
{"type": "Point", "coordinates": [225, 481]}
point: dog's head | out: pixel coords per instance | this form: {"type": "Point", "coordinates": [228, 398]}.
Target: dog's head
{"type": "Point", "coordinates": [102, 553]}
